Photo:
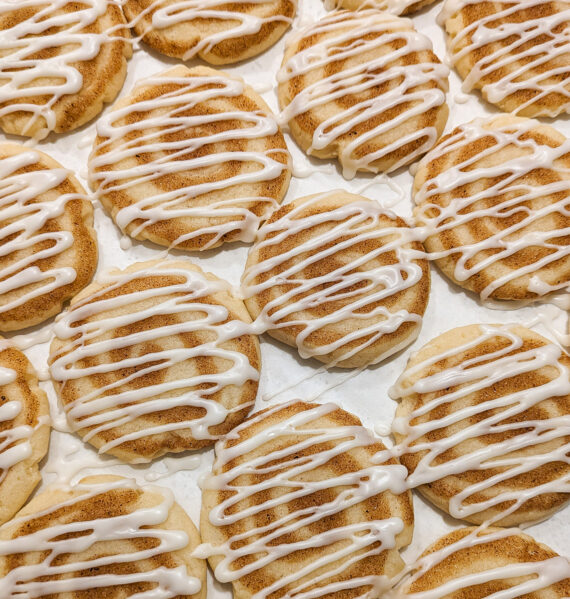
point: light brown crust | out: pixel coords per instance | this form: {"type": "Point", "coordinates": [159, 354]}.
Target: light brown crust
{"type": "Point", "coordinates": [536, 104]}
{"type": "Point", "coordinates": [303, 126]}
{"type": "Point", "coordinates": [390, 6]}
{"type": "Point", "coordinates": [102, 76]}
{"type": "Point", "coordinates": [182, 38]}
{"type": "Point", "coordinates": [414, 299]}
{"type": "Point", "coordinates": [230, 396]}
{"type": "Point", "coordinates": [167, 232]}
{"type": "Point", "coordinates": [375, 508]}
{"type": "Point", "coordinates": [482, 227]}
{"type": "Point", "coordinates": [47, 510]}
{"type": "Point", "coordinates": [440, 492]}
{"type": "Point", "coordinates": [18, 481]}
{"type": "Point", "coordinates": [82, 256]}
{"type": "Point", "coordinates": [517, 548]}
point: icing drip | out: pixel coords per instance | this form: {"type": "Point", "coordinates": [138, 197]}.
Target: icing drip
{"type": "Point", "coordinates": [394, 7]}
{"type": "Point", "coordinates": [91, 329]}
{"type": "Point", "coordinates": [57, 26]}
{"type": "Point", "coordinates": [509, 188]}
{"type": "Point", "coordinates": [478, 374]}
{"type": "Point", "coordinates": [153, 127]}
{"type": "Point", "coordinates": [353, 225]}
{"type": "Point", "coordinates": [532, 51]}
{"type": "Point", "coordinates": [25, 215]}
{"type": "Point", "coordinates": [258, 546]}
{"type": "Point", "coordinates": [361, 37]}
{"type": "Point", "coordinates": [81, 536]}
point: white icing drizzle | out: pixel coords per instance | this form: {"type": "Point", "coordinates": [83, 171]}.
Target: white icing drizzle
{"type": "Point", "coordinates": [58, 25]}
{"type": "Point", "coordinates": [477, 374]}
{"type": "Point", "coordinates": [258, 542]}
{"type": "Point", "coordinates": [155, 129]}
{"type": "Point", "coordinates": [522, 51]}
{"type": "Point", "coordinates": [142, 523]}
{"type": "Point", "coordinates": [86, 327]}
{"type": "Point", "coordinates": [25, 214]}
{"type": "Point", "coordinates": [394, 7]}
{"type": "Point", "coordinates": [505, 178]}
{"type": "Point", "coordinates": [348, 37]}
{"type": "Point", "coordinates": [353, 224]}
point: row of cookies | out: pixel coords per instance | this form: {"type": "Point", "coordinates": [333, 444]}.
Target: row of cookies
{"type": "Point", "coordinates": [304, 500]}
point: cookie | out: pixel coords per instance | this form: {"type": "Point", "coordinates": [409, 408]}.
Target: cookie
{"type": "Point", "coordinates": [297, 506]}
{"type": "Point", "coordinates": [103, 537]}
{"type": "Point", "coordinates": [492, 198]}
{"type": "Point", "coordinates": [155, 359]}
{"type": "Point", "coordinates": [498, 48]}
{"type": "Point", "coordinates": [192, 158]}
{"type": "Point", "coordinates": [338, 277]}
{"type": "Point", "coordinates": [24, 430]}
{"type": "Point", "coordinates": [363, 87]}
{"type": "Point", "coordinates": [59, 63]}
{"type": "Point", "coordinates": [49, 249]}
{"type": "Point", "coordinates": [483, 424]}
{"type": "Point", "coordinates": [476, 563]}
{"type": "Point", "coordinates": [217, 32]}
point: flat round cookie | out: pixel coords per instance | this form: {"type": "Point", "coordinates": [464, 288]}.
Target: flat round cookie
{"type": "Point", "coordinates": [216, 31]}
{"type": "Point", "coordinates": [363, 87]}
{"type": "Point", "coordinates": [155, 359]}
{"type": "Point", "coordinates": [103, 537]}
{"type": "Point", "coordinates": [395, 7]}
{"type": "Point", "coordinates": [191, 158]}
{"type": "Point", "coordinates": [516, 53]}
{"type": "Point", "coordinates": [59, 63]}
{"type": "Point", "coordinates": [476, 563]}
{"type": "Point", "coordinates": [297, 506]}
{"type": "Point", "coordinates": [338, 277]}
{"type": "Point", "coordinates": [24, 430]}
{"type": "Point", "coordinates": [492, 198]}
{"type": "Point", "coordinates": [483, 424]}
{"type": "Point", "coordinates": [48, 245]}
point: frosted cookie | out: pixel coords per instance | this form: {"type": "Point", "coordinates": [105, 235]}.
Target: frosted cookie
{"type": "Point", "coordinates": [48, 245]}
{"type": "Point", "coordinates": [155, 359]}
{"type": "Point", "coordinates": [516, 53]}
{"type": "Point", "coordinates": [476, 563]}
{"type": "Point", "coordinates": [363, 87]}
{"type": "Point", "coordinates": [493, 198]}
{"type": "Point", "coordinates": [483, 424]}
{"type": "Point", "coordinates": [338, 277]}
{"type": "Point", "coordinates": [24, 430]}
{"type": "Point", "coordinates": [297, 506]}
{"type": "Point", "coordinates": [191, 158]}
{"type": "Point", "coordinates": [395, 7]}
{"type": "Point", "coordinates": [60, 61]}
{"type": "Point", "coordinates": [103, 537]}
{"type": "Point", "coordinates": [217, 32]}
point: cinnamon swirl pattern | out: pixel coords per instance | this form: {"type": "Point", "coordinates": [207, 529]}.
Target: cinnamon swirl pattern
{"type": "Point", "coordinates": [48, 250]}
{"type": "Point", "coordinates": [483, 424]}
{"type": "Point", "coordinates": [216, 31]}
{"type": "Point", "coordinates": [517, 53]}
{"type": "Point", "coordinates": [395, 7]}
{"type": "Point", "coordinates": [192, 158]}
{"type": "Point", "coordinates": [155, 359]}
{"type": "Point", "coordinates": [60, 61]}
{"type": "Point", "coordinates": [103, 537]}
{"type": "Point", "coordinates": [493, 202]}
{"type": "Point", "coordinates": [24, 430]}
{"type": "Point", "coordinates": [338, 277]}
{"type": "Point", "coordinates": [297, 507]}
{"type": "Point", "coordinates": [364, 87]}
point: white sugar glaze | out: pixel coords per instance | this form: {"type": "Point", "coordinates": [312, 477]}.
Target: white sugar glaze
{"type": "Point", "coordinates": [87, 324]}
{"type": "Point", "coordinates": [143, 522]}
{"type": "Point", "coordinates": [395, 7]}
{"type": "Point", "coordinates": [505, 179]}
{"type": "Point", "coordinates": [350, 35]}
{"type": "Point", "coordinates": [20, 203]}
{"type": "Point", "coordinates": [155, 132]}
{"type": "Point", "coordinates": [354, 224]}
{"type": "Point", "coordinates": [522, 52]}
